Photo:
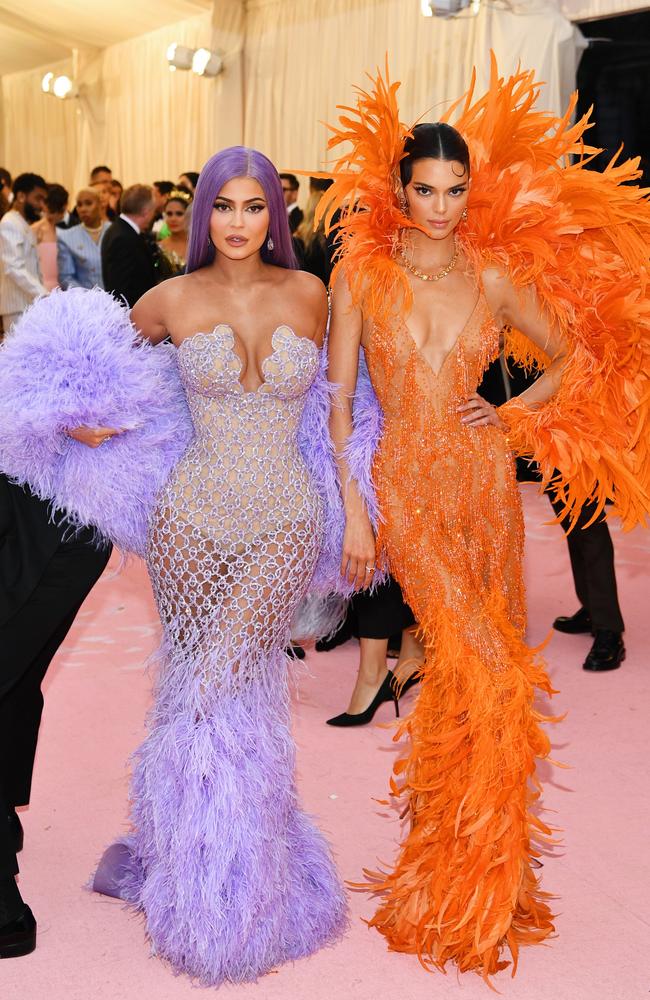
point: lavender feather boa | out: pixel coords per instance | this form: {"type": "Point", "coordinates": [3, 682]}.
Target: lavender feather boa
{"type": "Point", "coordinates": [75, 358]}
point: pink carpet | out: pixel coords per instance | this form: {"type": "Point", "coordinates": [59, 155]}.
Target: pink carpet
{"type": "Point", "coordinates": [91, 948]}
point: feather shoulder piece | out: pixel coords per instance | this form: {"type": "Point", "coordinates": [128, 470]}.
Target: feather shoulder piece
{"type": "Point", "coordinates": [75, 358]}
{"type": "Point", "coordinates": [578, 236]}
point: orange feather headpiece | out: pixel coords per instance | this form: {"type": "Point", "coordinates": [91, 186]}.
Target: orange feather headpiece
{"type": "Point", "coordinates": [581, 237]}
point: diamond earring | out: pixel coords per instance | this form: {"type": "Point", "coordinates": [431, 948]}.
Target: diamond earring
{"type": "Point", "coordinates": [270, 244]}
{"type": "Point", "coordinates": [464, 215]}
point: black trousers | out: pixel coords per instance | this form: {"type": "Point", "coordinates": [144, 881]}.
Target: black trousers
{"type": "Point", "coordinates": [28, 641]}
{"type": "Point", "coordinates": [592, 562]}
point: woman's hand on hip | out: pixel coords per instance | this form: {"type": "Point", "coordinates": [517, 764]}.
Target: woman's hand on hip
{"type": "Point", "coordinates": [477, 412]}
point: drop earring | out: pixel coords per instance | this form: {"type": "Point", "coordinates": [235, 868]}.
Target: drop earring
{"type": "Point", "coordinates": [270, 244]}
{"type": "Point", "coordinates": [464, 215]}
{"type": "Point", "coordinates": [403, 203]}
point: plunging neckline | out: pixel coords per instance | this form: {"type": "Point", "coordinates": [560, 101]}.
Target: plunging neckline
{"type": "Point", "coordinates": [452, 350]}
{"type": "Point", "coordinates": [226, 328]}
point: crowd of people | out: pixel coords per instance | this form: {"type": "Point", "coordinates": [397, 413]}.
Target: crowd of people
{"type": "Point", "coordinates": [46, 243]}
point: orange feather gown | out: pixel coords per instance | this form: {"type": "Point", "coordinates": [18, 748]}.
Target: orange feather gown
{"type": "Point", "coordinates": [464, 887]}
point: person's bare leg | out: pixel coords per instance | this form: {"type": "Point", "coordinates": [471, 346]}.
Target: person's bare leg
{"type": "Point", "coordinates": [372, 671]}
{"type": "Point", "coordinates": [411, 655]}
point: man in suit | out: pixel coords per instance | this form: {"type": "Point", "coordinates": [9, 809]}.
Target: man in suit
{"type": "Point", "coordinates": [594, 577]}
{"type": "Point", "coordinates": [590, 549]}
{"type": "Point", "coordinates": [128, 267]}
{"type": "Point", "coordinates": [45, 575]}
{"type": "Point", "coordinates": [290, 188]}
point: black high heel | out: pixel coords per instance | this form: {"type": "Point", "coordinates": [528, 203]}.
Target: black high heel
{"type": "Point", "coordinates": [386, 692]}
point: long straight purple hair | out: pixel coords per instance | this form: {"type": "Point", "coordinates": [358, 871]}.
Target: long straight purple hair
{"type": "Point", "coordinates": [239, 161]}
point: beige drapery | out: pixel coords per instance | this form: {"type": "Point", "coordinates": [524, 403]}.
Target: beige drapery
{"type": "Point", "coordinates": [301, 59]}
{"type": "Point", "coordinates": [133, 113]}
{"type": "Point", "coordinates": [40, 133]}
{"type": "Point", "coordinates": [303, 56]}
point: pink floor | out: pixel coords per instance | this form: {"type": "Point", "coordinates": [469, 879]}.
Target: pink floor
{"type": "Point", "coordinates": [91, 948]}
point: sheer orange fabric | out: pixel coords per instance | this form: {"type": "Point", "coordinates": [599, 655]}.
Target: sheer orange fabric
{"type": "Point", "coordinates": [452, 533]}
{"type": "Point", "coordinates": [463, 888]}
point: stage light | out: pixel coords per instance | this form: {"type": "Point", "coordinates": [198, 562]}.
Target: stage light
{"type": "Point", "coordinates": [179, 56]}
{"type": "Point", "coordinates": [207, 63]}
{"type": "Point", "coordinates": [46, 83]}
{"type": "Point", "coordinates": [63, 87]}
{"type": "Point", "coordinates": [448, 8]}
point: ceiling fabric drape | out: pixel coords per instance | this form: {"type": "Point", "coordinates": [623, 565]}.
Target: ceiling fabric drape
{"type": "Point", "coordinates": [303, 57]}
{"type": "Point", "coordinates": [300, 59]}
{"type": "Point", "coordinates": [158, 123]}
{"type": "Point", "coordinates": [40, 134]}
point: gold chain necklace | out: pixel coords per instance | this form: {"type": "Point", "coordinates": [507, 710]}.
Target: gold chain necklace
{"type": "Point", "coordinates": [431, 277]}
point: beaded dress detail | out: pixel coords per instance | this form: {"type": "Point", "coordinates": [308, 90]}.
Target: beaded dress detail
{"type": "Point", "coordinates": [232, 877]}
{"type": "Point", "coordinates": [462, 888]}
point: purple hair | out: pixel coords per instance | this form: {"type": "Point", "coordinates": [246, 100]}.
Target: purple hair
{"type": "Point", "coordinates": [239, 161]}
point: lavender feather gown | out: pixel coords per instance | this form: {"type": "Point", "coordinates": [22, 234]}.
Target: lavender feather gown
{"type": "Point", "coordinates": [232, 877]}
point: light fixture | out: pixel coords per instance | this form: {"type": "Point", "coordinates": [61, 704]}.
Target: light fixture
{"type": "Point", "coordinates": [63, 87]}
{"type": "Point", "coordinates": [59, 86]}
{"type": "Point", "coordinates": [179, 56]}
{"type": "Point", "coordinates": [207, 63]}
{"type": "Point", "coordinates": [448, 8]}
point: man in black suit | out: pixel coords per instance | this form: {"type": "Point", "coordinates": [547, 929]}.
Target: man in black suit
{"type": "Point", "coordinates": [128, 267]}
{"type": "Point", "coordinates": [290, 188]}
{"type": "Point", "coordinates": [590, 548]}
{"type": "Point", "coordinates": [45, 575]}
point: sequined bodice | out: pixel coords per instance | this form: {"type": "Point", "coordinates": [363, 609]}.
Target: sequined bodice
{"type": "Point", "coordinates": [239, 519]}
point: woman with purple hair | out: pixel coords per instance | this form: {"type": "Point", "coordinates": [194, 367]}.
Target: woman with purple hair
{"type": "Point", "coordinates": [232, 876]}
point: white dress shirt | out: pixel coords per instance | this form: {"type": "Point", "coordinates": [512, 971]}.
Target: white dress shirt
{"type": "Point", "coordinates": [20, 274]}
{"type": "Point", "coordinates": [134, 225]}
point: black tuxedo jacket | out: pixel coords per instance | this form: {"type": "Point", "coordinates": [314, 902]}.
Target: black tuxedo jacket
{"type": "Point", "coordinates": [296, 216]}
{"type": "Point", "coordinates": [127, 264]}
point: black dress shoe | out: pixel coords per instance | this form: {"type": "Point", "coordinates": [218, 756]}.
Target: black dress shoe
{"type": "Point", "coordinates": [16, 831]}
{"type": "Point", "coordinates": [577, 624]}
{"type": "Point", "coordinates": [18, 937]}
{"type": "Point", "coordinates": [607, 652]}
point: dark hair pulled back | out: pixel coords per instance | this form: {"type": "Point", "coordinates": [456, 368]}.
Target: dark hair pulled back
{"type": "Point", "coordinates": [433, 141]}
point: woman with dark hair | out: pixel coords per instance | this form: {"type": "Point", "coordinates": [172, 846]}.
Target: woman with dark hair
{"type": "Point", "coordinates": [174, 246]}
{"type": "Point", "coordinates": [448, 246]}
{"type": "Point", "coordinates": [46, 233]}
{"type": "Point", "coordinates": [189, 180]}
{"type": "Point", "coordinates": [232, 876]}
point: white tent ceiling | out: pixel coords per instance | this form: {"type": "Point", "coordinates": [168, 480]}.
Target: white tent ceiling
{"type": "Point", "coordinates": [34, 32]}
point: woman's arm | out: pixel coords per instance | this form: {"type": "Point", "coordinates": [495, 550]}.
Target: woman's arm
{"type": "Point", "coordinates": [346, 327]}
{"type": "Point", "coordinates": [147, 315]}
{"type": "Point", "coordinates": [521, 309]}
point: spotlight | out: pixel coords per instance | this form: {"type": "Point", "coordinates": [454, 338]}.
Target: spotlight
{"type": "Point", "coordinates": [447, 8]}
{"type": "Point", "coordinates": [46, 83]}
{"type": "Point", "coordinates": [207, 63]}
{"type": "Point", "coordinates": [179, 56]}
{"type": "Point", "coordinates": [63, 87]}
